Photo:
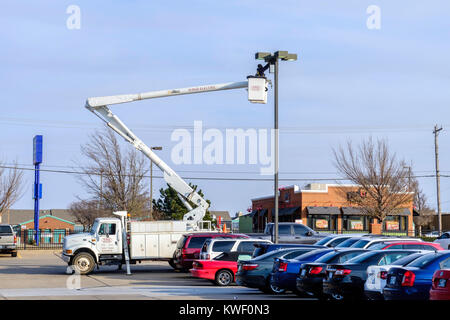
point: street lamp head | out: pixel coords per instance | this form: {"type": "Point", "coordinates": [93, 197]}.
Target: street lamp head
{"type": "Point", "coordinates": [281, 54]}
{"type": "Point", "coordinates": [290, 57]}
{"type": "Point", "coordinates": [261, 55]}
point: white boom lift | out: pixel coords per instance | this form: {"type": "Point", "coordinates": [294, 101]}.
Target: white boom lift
{"type": "Point", "coordinates": [257, 93]}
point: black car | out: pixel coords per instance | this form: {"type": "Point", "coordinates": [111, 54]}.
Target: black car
{"type": "Point", "coordinates": [262, 248]}
{"type": "Point", "coordinates": [346, 280]}
{"type": "Point", "coordinates": [255, 273]}
{"type": "Point", "coordinates": [311, 275]}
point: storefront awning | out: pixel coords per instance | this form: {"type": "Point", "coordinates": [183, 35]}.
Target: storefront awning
{"type": "Point", "coordinates": [262, 213]}
{"type": "Point", "coordinates": [353, 211]}
{"type": "Point", "coordinates": [251, 214]}
{"type": "Point", "coordinates": [323, 210]}
{"type": "Point", "coordinates": [285, 211]}
{"type": "Point", "coordinates": [401, 212]}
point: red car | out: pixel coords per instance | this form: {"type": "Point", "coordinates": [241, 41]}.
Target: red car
{"type": "Point", "coordinates": [411, 245]}
{"type": "Point", "coordinates": [189, 246]}
{"type": "Point", "coordinates": [221, 270]}
{"type": "Point", "coordinates": [440, 288]}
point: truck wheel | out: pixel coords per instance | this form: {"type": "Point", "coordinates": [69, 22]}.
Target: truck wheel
{"type": "Point", "coordinates": [14, 254]}
{"type": "Point", "coordinates": [224, 278]}
{"type": "Point", "coordinates": [83, 263]}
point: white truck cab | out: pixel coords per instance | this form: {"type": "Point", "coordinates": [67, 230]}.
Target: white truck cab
{"type": "Point", "coordinates": [104, 244]}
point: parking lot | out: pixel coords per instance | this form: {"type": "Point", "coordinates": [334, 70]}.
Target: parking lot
{"type": "Point", "coordinates": [42, 275]}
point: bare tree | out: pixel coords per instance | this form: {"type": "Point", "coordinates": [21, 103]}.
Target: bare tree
{"type": "Point", "coordinates": [382, 179]}
{"type": "Point", "coordinates": [426, 213]}
{"type": "Point", "coordinates": [10, 187]}
{"type": "Point", "coordinates": [85, 212]}
{"type": "Point", "coordinates": [114, 177]}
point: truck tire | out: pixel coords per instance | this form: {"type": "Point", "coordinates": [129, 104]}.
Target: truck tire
{"type": "Point", "coordinates": [224, 277]}
{"type": "Point", "coordinates": [83, 263]}
{"type": "Point", "coordinates": [14, 254]}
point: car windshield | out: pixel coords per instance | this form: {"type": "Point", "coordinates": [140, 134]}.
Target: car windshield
{"type": "Point", "coordinates": [423, 261]}
{"type": "Point", "coordinates": [323, 241]}
{"type": "Point", "coordinates": [327, 257]}
{"type": "Point", "coordinates": [268, 255]}
{"type": "Point", "coordinates": [308, 255]}
{"type": "Point", "coordinates": [408, 259]}
{"type": "Point", "coordinates": [377, 246]}
{"type": "Point", "coordinates": [5, 230]}
{"type": "Point", "coordinates": [181, 242]}
{"type": "Point", "coordinates": [361, 258]}
{"type": "Point", "coordinates": [360, 243]}
{"type": "Point", "coordinates": [347, 243]}
{"type": "Point", "coordinates": [94, 227]}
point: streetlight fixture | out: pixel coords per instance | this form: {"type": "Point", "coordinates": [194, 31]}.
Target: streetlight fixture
{"type": "Point", "coordinates": [151, 182]}
{"type": "Point", "coordinates": [272, 63]}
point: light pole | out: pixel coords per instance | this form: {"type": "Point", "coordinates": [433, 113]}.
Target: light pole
{"type": "Point", "coordinates": [151, 182]}
{"type": "Point", "coordinates": [272, 63]}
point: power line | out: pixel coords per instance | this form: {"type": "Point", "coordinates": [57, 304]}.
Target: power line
{"type": "Point", "coordinates": [208, 178]}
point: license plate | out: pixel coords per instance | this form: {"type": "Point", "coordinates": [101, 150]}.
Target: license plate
{"type": "Point", "coordinates": [442, 283]}
{"type": "Point", "coordinates": [330, 275]}
{"type": "Point", "coordinates": [303, 272]}
{"type": "Point", "coordinates": [392, 280]}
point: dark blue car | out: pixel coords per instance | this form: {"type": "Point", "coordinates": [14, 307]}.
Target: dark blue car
{"type": "Point", "coordinates": [285, 271]}
{"type": "Point", "coordinates": [413, 282]}
{"type": "Point", "coordinates": [263, 248]}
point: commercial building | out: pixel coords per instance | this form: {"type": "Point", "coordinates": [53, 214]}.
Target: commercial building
{"type": "Point", "coordinates": [326, 207]}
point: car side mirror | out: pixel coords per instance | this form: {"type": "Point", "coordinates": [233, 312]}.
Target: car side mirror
{"type": "Point", "coordinates": [309, 233]}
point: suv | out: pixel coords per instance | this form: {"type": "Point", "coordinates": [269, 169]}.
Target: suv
{"type": "Point", "coordinates": [189, 245]}
{"type": "Point", "coordinates": [214, 247]}
{"type": "Point", "coordinates": [292, 232]}
{"type": "Point", "coordinates": [8, 240]}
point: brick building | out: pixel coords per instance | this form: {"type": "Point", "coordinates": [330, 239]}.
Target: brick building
{"type": "Point", "coordinates": [324, 207]}
{"type": "Point", "coordinates": [52, 219]}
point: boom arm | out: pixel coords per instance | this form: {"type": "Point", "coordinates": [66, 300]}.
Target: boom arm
{"type": "Point", "coordinates": [99, 106]}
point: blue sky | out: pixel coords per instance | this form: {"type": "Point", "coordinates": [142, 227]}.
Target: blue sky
{"type": "Point", "coordinates": [349, 83]}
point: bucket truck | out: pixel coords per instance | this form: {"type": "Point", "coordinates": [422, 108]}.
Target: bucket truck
{"type": "Point", "coordinates": [111, 239]}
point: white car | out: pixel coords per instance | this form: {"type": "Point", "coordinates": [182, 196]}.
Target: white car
{"type": "Point", "coordinates": [216, 246]}
{"type": "Point", "coordinates": [444, 240]}
{"type": "Point", "coordinates": [376, 276]}
{"type": "Point", "coordinates": [368, 242]}
{"type": "Point", "coordinates": [334, 239]}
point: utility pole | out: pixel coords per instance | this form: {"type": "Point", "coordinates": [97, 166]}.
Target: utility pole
{"type": "Point", "coordinates": [438, 182]}
{"type": "Point", "coordinates": [151, 183]}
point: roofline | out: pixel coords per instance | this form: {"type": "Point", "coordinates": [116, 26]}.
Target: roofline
{"type": "Point", "coordinates": [47, 215]}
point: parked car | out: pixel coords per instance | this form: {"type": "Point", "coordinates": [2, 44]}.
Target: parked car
{"type": "Point", "coordinates": [189, 246]}
{"type": "Point", "coordinates": [412, 245]}
{"type": "Point", "coordinates": [444, 240]}
{"type": "Point", "coordinates": [367, 242]}
{"type": "Point", "coordinates": [334, 239]}
{"type": "Point", "coordinates": [432, 234]}
{"type": "Point", "coordinates": [284, 272]}
{"type": "Point", "coordinates": [346, 280]}
{"type": "Point", "coordinates": [311, 275]}
{"type": "Point", "coordinates": [255, 273]}
{"type": "Point", "coordinates": [291, 232]}
{"type": "Point", "coordinates": [440, 285]}
{"type": "Point", "coordinates": [262, 247]}
{"type": "Point", "coordinates": [376, 276]}
{"type": "Point", "coordinates": [413, 281]}
{"type": "Point", "coordinates": [8, 240]}
{"type": "Point", "coordinates": [213, 247]}
{"type": "Point", "coordinates": [349, 242]}
{"type": "Point", "coordinates": [221, 269]}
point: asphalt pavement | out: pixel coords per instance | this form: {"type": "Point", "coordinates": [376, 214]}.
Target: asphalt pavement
{"type": "Point", "coordinates": [41, 274]}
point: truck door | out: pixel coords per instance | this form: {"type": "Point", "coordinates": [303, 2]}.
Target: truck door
{"type": "Point", "coordinates": [108, 240]}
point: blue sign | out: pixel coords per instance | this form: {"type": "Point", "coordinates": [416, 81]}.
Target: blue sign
{"type": "Point", "coordinates": [37, 149]}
